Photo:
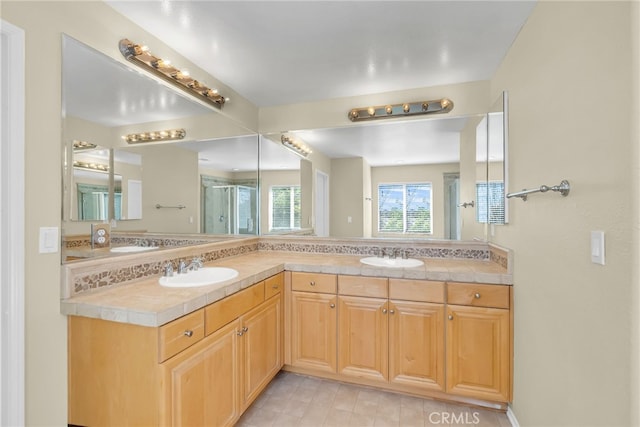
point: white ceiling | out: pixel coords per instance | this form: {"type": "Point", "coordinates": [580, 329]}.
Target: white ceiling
{"type": "Point", "coordinates": [284, 52]}
{"type": "Point", "coordinates": [274, 52]}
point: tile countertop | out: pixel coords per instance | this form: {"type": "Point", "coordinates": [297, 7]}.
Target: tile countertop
{"type": "Point", "coordinates": [146, 303]}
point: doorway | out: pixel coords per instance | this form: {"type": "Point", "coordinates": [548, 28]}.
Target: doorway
{"type": "Point", "coordinates": [321, 206]}
{"type": "Point", "coordinates": [12, 225]}
{"type": "Point", "coordinates": [451, 208]}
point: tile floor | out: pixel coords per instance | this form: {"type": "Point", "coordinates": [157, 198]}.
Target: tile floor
{"type": "Point", "coordinates": [301, 401]}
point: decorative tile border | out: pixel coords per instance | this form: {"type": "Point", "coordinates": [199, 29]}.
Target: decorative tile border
{"type": "Point", "coordinates": [111, 274]}
{"type": "Point", "coordinates": [500, 256]}
{"type": "Point", "coordinates": [426, 251]}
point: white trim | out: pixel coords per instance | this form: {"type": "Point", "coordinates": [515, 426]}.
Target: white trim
{"type": "Point", "coordinates": [512, 417]}
{"type": "Point", "coordinates": [12, 397]}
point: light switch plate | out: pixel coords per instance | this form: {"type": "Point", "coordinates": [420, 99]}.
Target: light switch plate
{"type": "Point", "coordinates": [597, 247]}
{"type": "Point", "coordinates": [49, 242]}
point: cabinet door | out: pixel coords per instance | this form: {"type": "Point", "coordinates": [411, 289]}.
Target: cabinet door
{"type": "Point", "coordinates": [478, 362]}
{"type": "Point", "coordinates": [261, 340]}
{"type": "Point", "coordinates": [202, 384]}
{"type": "Point", "coordinates": [313, 331]}
{"type": "Point", "coordinates": [416, 344]}
{"type": "Point", "coordinates": [363, 331]}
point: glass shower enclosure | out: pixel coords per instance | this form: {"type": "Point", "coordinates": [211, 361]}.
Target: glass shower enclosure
{"type": "Point", "coordinates": [229, 208]}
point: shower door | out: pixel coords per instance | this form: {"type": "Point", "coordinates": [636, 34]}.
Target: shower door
{"type": "Point", "coordinates": [246, 209]}
{"type": "Point", "coordinates": [217, 209]}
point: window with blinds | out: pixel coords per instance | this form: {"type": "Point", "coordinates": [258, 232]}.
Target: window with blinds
{"type": "Point", "coordinates": [490, 202]}
{"type": "Point", "coordinates": [284, 207]}
{"type": "Point", "coordinates": [404, 208]}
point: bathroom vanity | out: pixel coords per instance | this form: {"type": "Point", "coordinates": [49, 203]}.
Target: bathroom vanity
{"type": "Point", "coordinates": [141, 353]}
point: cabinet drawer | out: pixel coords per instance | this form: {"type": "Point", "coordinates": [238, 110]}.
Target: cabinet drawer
{"type": "Point", "coordinates": [477, 294]}
{"type": "Point", "coordinates": [363, 286]}
{"type": "Point", "coordinates": [314, 282]}
{"type": "Point", "coordinates": [180, 334]}
{"type": "Point", "coordinates": [273, 285]}
{"type": "Point", "coordinates": [416, 290]}
{"type": "Point", "coordinates": [226, 310]}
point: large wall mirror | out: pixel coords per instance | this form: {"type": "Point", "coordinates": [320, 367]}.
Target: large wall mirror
{"type": "Point", "coordinates": [414, 179]}
{"type": "Point", "coordinates": [205, 183]}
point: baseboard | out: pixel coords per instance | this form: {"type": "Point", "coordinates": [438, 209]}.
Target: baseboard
{"type": "Point", "coordinates": [512, 417]}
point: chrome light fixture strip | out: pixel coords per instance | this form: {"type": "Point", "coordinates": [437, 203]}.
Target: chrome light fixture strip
{"type": "Point", "coordinates": [140, 56]}
{"type": "Point", "coordinates": [296, 146]}
{"type": "Point", "coordinates": [155, 136]}
{"type": "Point", "coordinates": [90, 166]}
{"type": "Point", "coordinates": [388, 111]}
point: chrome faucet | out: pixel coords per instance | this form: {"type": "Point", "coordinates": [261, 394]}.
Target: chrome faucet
{"type": "Point", "coordinates": [196, 263]}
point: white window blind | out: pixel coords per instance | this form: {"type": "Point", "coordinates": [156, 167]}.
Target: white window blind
{"type": "Point", "coordinates": [284, 207]}
{"type": "Point", "coordinates": [404, 208]}
{"type": "Point", "coordinates": [490, 202]}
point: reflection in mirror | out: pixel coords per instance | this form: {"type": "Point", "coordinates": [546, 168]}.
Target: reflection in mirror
{"type": "Point", "coordinates": [401, 179]}
{"type": "Point", "coordinates": [142, 176]}
{"type": "Point", "coordinates": [497, 161]}
{"type": "Point", "coordinates": [90, 183]}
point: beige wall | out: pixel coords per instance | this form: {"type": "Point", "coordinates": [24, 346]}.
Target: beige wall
{"type": "Point", "coordinates": [634, 395]}
{"type": "Point", "coordinates": [469, 175]}
{"type": "Point", "coordinates": [568, 77]}
{"type": "Point", "coordinates": [347, 195]}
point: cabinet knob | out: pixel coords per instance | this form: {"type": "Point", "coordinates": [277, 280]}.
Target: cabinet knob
{"type": "Point", "coordinates": [392, 311]}
{"type": "Point", "coordinates": [450, 317]}
{"type": "Point", "coordinates": [384, 311]}
{"type": "Point", "coordinates": [312, 283]}
{"type": "Point", "coordinates": [188, 333]}
{"type": "Point", "coordinates": [332, 305]}
{"type": "Point", "coordinates": [240, 333]}
{"type": "Point", "coordinates": [245, 329]}
{"type": "Point", "coordinates": [477, 295]}
{"type": "Point", "coordinates": [274, 287]}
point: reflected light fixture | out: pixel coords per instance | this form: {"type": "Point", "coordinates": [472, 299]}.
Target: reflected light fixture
{"type": "Point", "coordinates": [83, 145]}
{"type": "Point", "coordinates": [162, 68]}
{"type": "Point", "coordinates": [155, 136]}
{"type": "Point", "coordinates": [388, 111]}
{"type": "Point", "coordinates": [90, 166]}
{"type": "Point", "coordinates": [295, 145]}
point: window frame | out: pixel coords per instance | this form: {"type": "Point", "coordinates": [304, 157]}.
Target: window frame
{"type": "Point", "coordinates": [292, 204]}
{"type": "Point", "coordinates": [405, 225]}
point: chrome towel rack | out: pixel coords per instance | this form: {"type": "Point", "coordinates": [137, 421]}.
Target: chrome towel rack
{"type": "Point", "coordinates": [563, 189]}
{"type": "Point", "coordinates": [159, 206]}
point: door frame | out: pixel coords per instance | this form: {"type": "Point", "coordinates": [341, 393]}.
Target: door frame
{"type": "Point", "coordinates": [12, 169]}
{"type": "Point", "coordinates": [321, 205]}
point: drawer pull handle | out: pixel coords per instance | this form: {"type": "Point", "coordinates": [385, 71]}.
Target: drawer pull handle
{"type": "Point", "coordinates": [188, 333]}
{"type": "Point", "coordinates": [332, 305]}
{"type": "Point", "coordinates": [274, 287]}
{"type": "Point", "coordinates": [477, 295]}
{"type": "Point", "coordinates": [312, 283]}
{"type": "Point", "coordinates": [384, 311]}
{"type": "Point", "coordinates": [451, 317]}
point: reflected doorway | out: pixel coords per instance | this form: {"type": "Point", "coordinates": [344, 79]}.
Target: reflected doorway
{"type": "Point", "coordinates": [322, 204]}
{"type": "Point", "coordinates": [451, 208]}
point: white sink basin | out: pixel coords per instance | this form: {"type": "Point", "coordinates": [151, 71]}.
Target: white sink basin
{"type": "Point", "coordinates": [127, 249]}
{"type": "Point", "coordinates": [202, 277]}
{"type": "Point", "coordinates": [392, 262]}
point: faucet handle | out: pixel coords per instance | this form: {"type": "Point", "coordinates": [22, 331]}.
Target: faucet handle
{"type": "Point", "coordinates": [182, 267]}
{"type": "Point", "coordinates": [196, 263]}
{"type": "Point", "coordinates": [168, 269]}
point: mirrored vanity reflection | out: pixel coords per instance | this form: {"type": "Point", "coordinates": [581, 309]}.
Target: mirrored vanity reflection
{"type": "Point", "coordinates": [205, 183]}
{"type": "Point", "coordinates": [442, 177]}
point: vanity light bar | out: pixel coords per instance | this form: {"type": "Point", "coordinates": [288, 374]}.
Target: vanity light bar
{"type": "Point", "coordinates": [141, 56]}
{"type": "Point", "coordinates": [90, 166]}
{"type": "Point", "coordinates": [439, 106]}
{"type": "Point", "coordinates": [83, 145]}
{"type": "Point", "coordinates": [297, 146]}
{"type": "Point", "coordinates": [155, 136]}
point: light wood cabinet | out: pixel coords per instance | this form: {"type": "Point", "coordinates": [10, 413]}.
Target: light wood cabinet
{"type": "Point", "coordinates": [479, 342]}
{"type": "Point", "coordinates": [416, 344]}
{"type": "Point", "coordinates": [447, 340]}
{"type": "Point", "coordinates": [202, 369]}
{"type": "Point", "coordinates": [202, 384]}
{"type": "Point", "coordinates": [261, 338]}
{"type": "Point", "coordinates": [313, 331]}
{"type": "Point", "coordinates": [363, 332]}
